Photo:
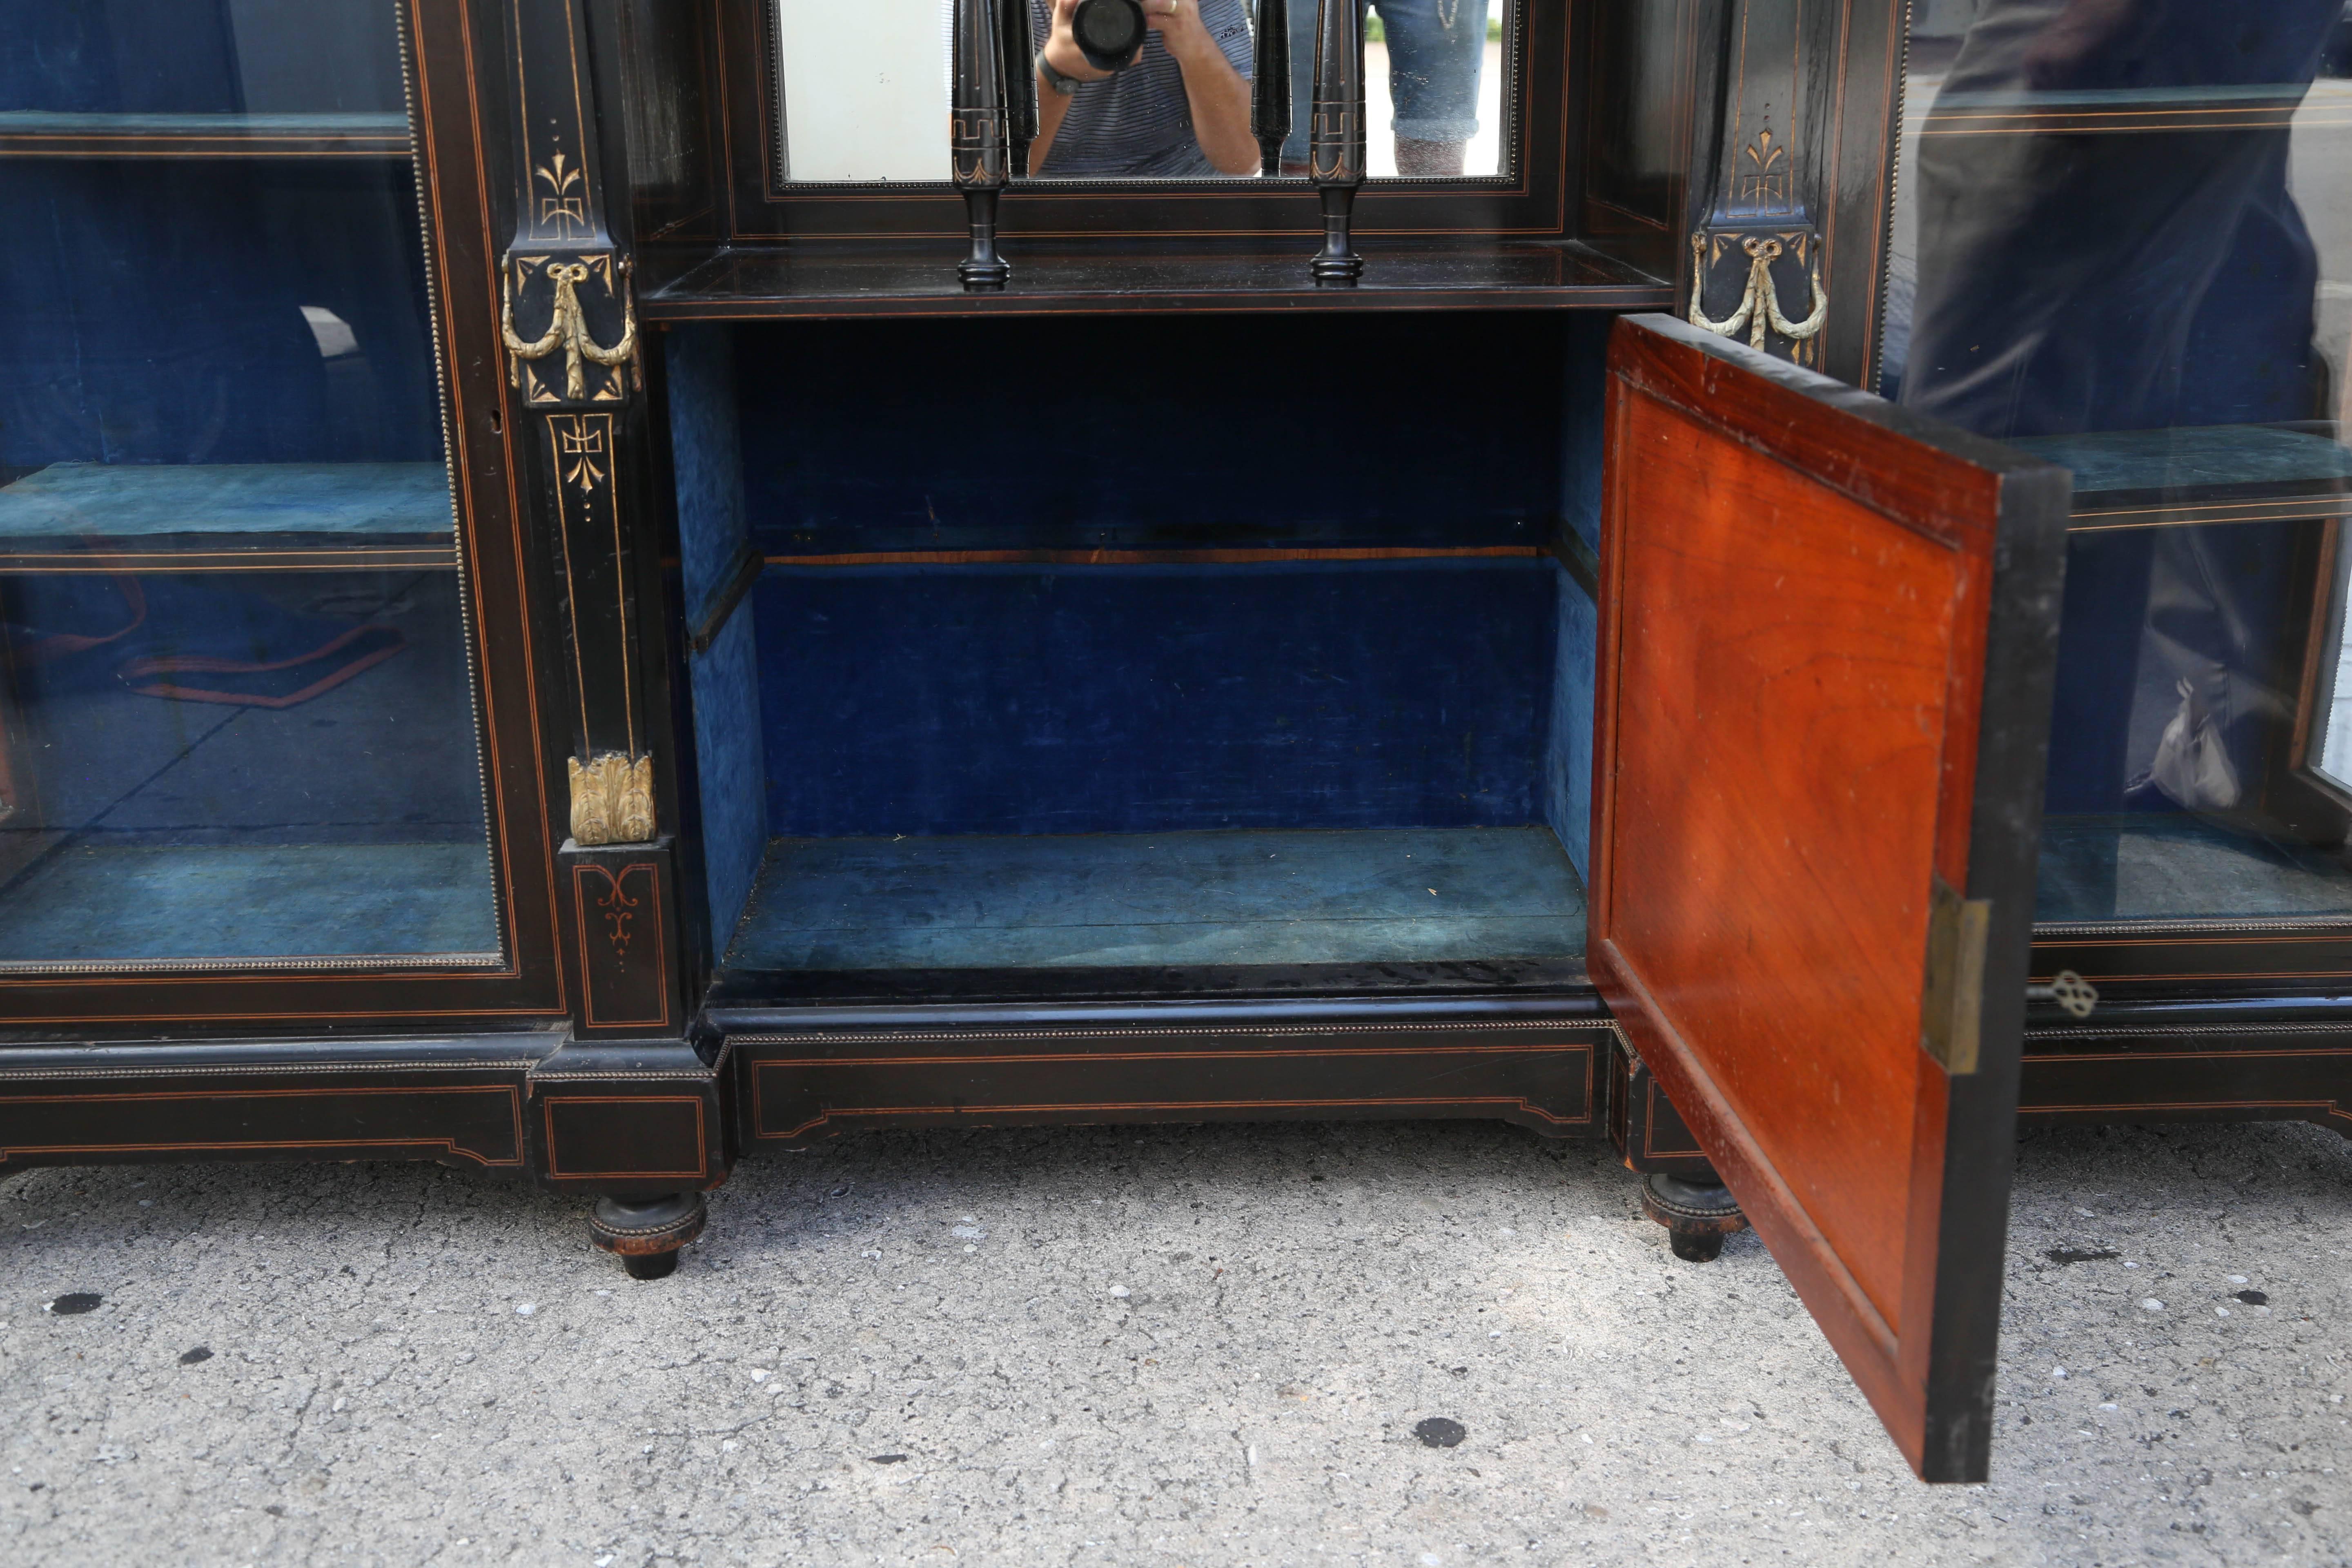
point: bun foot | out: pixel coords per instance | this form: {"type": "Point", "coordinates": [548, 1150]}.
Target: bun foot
{"type": "Point", "coordinates": [647, 1229]}
{"type": "Point", "coordinates": [649, 1265]}
{"type": "Point", "coordinates": [1697, 1213]}
{"type": "Point", "coordinates": [1690, 1245]}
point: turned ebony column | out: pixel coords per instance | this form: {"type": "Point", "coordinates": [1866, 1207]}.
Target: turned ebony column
{"type": "Point", "coordinates": [978, 129]}
{"type": "Point", "coordinates": [1335, 142]}
{"type": "Point", "coordinates": [628, 1109]}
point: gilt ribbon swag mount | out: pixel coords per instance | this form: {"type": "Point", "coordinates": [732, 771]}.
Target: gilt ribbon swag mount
{"type": "Point", "coordinates": [567, 329]}
{"type": "Point", "coordinates": [1759, 305]}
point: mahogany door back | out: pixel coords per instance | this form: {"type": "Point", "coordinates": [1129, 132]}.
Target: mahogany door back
{"type": "Point", "coordinates": [1826, 630]}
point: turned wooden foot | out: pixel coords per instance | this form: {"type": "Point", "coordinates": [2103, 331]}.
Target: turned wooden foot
{"type": "Point", "coordinates": [649, 1265]}
{"type": "Point", "coordinates": [647, 1229]}
{"type": "Point", "coordinates": [1698, 1212]}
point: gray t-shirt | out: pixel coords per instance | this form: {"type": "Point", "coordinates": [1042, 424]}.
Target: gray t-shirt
{"type": "Point", "coordinates": [1139, 122]}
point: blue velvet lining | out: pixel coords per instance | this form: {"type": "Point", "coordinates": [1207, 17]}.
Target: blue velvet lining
{"type": "Point", "coordinates": [169, 57]}
{"type": "Point", "coordinates": [2139, 866]}
{"type": "Point", "coordinates": [708, 459]}
{"type": "Point", "coordinates": [173, 319]}
{"type": "Point", "coordinates": [384, 755]}
{"type": "Point", "coordinates": [350, 822]}
{"type": "Point", "coordinates": [1583, 428]}
{"type": "Point", "coordinates": [155, 308]}
{"type": "Point", "coordinates": [1149, 432]}
{"type": "Point", "coordinates": [1062, 722]}
{"type": "Point", "coordinates": [707, 455]}
{"type": "Point", "coordinates": [141, 501]}
{"type": "Point", "coordinates": [1567, 747]}
{"type": "Point", "coordinates": [1568, 751]}
{"type": "Point", "coordinates": [113, 903]}
{"type": "Point", "coordinates": [154, 313]}
{"type": "Point", "coordinates": [1396, 896]}
{"type": "Point", "coordinates": [2192, 457]}
{"type": "Point", "coordinates": [2144, 607]}
{"type": "Point", "coordinates": [726, 753]}
{"type": "Point", "coordinates": [933, 701]}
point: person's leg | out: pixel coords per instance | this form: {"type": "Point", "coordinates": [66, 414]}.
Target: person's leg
{"type": "Point", "coordinates": [1437, 51]}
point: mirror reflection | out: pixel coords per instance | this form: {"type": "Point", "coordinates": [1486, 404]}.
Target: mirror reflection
{"type": "Point", "coordinates": [1134, 88]}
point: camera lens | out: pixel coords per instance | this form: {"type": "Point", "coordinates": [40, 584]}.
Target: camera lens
{"type": "Point", "coordinates": [1108, 32]}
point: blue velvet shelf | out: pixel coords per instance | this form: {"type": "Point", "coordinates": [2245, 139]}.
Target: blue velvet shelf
{"type": "Point", "coordinates": [2231, 473]}
{"type": "Point", "coordinates": [99, 903]}
{"type": "Point", "coordinates": [35, 133]}
{"type": "Point", "coordinates": [227, 517]}
{"type": "Point", "coordinates": [2154, 866]}
{"type": "Point", "coordinates": [1131, 899]}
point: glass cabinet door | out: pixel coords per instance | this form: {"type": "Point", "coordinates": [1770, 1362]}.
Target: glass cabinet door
{"type": "Point", "coordinates": [2123, 241]}
{"type": "Point", "coordinates": [236, 712]}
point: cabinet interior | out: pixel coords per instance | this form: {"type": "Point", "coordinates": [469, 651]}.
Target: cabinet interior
{"type": "Point", "coordinates": [1130, 672]}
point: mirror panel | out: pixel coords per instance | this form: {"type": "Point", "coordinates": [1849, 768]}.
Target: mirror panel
{"type": "Point", "coordinates": [863, 90]}
{"type": "Point", "coordinates": [882, 118]}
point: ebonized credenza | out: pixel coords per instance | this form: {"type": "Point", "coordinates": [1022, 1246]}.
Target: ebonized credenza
{"type": "Point", "coordinates": [593, 588]}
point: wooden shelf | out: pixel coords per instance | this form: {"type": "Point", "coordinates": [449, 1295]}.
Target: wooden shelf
{"type": "Point", "coordinates": [27, 134]}
{"type": "Point", "coordinates": [227, 517]}
{"type": "Point", "coordinates": [918, 280]}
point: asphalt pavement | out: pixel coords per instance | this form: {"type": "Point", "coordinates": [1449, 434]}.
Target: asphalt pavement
{"type": "Point", "coordinates": [1421, 1344]}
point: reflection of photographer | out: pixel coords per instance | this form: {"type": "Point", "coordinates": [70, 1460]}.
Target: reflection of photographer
{"type": "Point", "coordinates": [1436, 50]}
{"type": "Point", "coordinates": [1179, 106]}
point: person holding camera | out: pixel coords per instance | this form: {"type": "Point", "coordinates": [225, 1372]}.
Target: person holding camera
{"type": "Point", "coordinates": [1177, 107]}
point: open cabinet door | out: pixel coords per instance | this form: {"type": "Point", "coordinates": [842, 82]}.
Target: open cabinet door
{"type": "Point", "coordinates": [1827, 630]}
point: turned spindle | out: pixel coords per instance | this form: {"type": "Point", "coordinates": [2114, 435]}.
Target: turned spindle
{"type": "Point", "coordinates": [1335, 143]}
{"type": "Point", "coordinates": [977, 131]}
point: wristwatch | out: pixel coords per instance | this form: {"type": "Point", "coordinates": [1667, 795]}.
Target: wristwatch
{"type": "Point", "coordinates": [1064, 85]}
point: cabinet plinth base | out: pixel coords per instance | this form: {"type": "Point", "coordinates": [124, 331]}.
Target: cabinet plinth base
{"type": "Point", "coordinates": [811, 1072]}
{"type": "Point", "coordinates": [1698, 1214]}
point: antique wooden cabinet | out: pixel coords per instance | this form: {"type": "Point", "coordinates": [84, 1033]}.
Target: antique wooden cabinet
{"type": "Point", "coordinates": [591, 588]}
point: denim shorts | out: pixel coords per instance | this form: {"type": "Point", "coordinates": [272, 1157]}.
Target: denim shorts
{"type": "Point", "coordinates": [1436, 50]}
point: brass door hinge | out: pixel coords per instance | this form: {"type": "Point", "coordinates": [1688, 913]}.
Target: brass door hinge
{"type": "Point", "coordinates": [1951, 1021]}
{"type": "Point", "coordinates": [1951, 1016]}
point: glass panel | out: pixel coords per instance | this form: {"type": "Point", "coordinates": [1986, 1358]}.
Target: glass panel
{"type": "Point", "coordinates": [2123, 239]}
{"type": "Point", "coordinates": [1177, 109]}
{"type": "Point", "coordinates": [235, 710]}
